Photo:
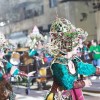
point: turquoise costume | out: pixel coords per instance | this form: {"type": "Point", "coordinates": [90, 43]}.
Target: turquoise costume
{"type": "Point", "coordinates": [66, 66]}
{"type": "Point", "coordinates": [62, 75]}
{"type": "Point", "coordinates": [32, 53]}
{"type": "Point", "coordinates": [65, 80]}
{"type": "Point", "coordinates": [8, 68]}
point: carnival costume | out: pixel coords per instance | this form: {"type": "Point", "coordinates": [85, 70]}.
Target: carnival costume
{"type": "Point", "coordinates": [6, 90]}
{"type": "Point", "coordinates": [64, 38]}
{"type": "Point", "coordinates": [8, 69]}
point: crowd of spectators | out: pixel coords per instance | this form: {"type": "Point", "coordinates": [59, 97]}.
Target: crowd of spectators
{"type": "Point", "coordinates": [90, 52]}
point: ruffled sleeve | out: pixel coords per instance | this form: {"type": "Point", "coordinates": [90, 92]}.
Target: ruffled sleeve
{"type": "Point", "coordinates": [62, 76]}
{"type": "Point", "coordinates": [85, 69]}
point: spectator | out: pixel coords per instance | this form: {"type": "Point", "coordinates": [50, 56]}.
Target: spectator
{"type": "Point", "coordinates": [88, 43]}
{"type": "Point", "coordinates": [83, 52]}
{"type": "Point", "coordinates": [95, 49]}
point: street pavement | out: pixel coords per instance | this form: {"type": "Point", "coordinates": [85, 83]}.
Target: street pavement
{"type": "Point", "coordinates": [90, 93]}
{"type": "Point", "coordinates": [33, 95]}
{"type": "Point", "coordinates": [95, 87]}
{"type": "Point", "coordinates": [37, 96]}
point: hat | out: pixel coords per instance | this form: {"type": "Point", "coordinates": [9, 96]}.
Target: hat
{"type": "Point", "coordinates": [65, 36]}
{"type": "Point", "coordinates": [22, 49]}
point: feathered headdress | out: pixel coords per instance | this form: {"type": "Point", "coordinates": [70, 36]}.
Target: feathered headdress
{"type": "Point", "coordinates": [34, 37]}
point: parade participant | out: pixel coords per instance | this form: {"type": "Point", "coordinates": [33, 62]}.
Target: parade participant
{"type": "Point", "coordinates": [6, 90]}
{"type": "Point", "coordinates": [33, 40]}
{"type": "Point", "coordinates": [35, 43]}
{"type": "Point", "coordinates": [66, 66]}
{"type": "Point", "coordinates": [7, 69]}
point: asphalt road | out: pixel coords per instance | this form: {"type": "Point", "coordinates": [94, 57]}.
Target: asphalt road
{"type": "Point", "coordinates": [90, 93]}
{"type": "Point", "coordinates": [40, 95]}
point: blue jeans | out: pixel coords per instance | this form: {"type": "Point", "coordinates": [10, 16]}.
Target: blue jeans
{"type": "Point", "coordinates": [96, 62]}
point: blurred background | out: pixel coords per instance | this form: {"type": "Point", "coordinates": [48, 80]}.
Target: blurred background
{"type": "Point", "coordinates": [18, 18]}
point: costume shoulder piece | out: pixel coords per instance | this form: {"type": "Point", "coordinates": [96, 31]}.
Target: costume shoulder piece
{"type": "Point", "coordinates": [64, 61]}
{"type": "Point", "coordinates": [61, 60]}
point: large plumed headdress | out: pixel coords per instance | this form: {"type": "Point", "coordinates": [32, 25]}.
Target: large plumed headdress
{"type": "Point", "coordinates": [65, 36]}
{"type": "Point", "coordinates": [34, 38]}
{"type": "Point", "coordinates": [5, 43]}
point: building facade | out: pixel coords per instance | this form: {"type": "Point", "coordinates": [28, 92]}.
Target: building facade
{"type": "Point", "coordinates": [41, 13]}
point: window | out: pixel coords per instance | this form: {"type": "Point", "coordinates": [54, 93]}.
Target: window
{"type": "Point", "coordinates": [49, 27]}
{"type": "Point", "coordinates": [52, 3]}
{"type": "Point", "coordinates": [28, 14]}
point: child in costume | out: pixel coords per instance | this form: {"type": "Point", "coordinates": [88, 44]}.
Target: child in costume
{"type": "Point", "coordinates": [66, 66]}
